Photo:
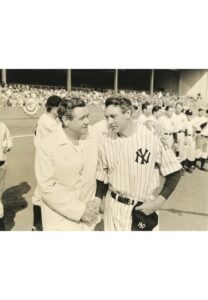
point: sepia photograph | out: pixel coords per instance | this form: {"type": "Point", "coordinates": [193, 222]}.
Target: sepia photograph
{"type": "Point", "coordinates": [104, 149]}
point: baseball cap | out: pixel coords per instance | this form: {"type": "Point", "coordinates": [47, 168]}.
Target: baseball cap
{"type": "Point", "coordinates": [142, 222]}
{"type": "Point", "coordinates": [189, 112]}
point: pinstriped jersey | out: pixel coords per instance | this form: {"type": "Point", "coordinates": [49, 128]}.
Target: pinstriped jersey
{"type": "Point", "coordinates": [128, 163]}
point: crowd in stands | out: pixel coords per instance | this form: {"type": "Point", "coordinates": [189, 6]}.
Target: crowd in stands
{"type": "Point", "coordinates": [16, 95]}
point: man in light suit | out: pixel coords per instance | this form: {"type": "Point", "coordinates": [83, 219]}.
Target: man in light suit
{"type": "Point", "coordinates": [65, 167]}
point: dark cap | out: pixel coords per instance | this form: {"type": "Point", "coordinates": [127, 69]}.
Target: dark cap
{"type": "Point", "coordinates": [189, 112]}
{"type": "Point", "coordinates": [142, 222]}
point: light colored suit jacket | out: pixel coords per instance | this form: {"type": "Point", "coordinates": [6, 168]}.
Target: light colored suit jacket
{"type": "Point", "coordinates": [64, 188]}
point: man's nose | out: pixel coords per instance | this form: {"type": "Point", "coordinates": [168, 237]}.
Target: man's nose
{"type": "Point", "coordinates": [110, 121]}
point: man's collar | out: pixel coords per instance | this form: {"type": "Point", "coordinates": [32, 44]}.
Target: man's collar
{"type": "Point", "coordinates": [63, 139]}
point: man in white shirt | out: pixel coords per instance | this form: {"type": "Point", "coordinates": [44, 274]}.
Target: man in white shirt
{"type": "Point", "coordinates": [5, 146]}
{"type": "Point", "coordinates": [47, 123]}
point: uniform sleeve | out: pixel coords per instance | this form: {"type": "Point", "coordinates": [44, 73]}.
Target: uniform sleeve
{"type": "Point", "coordinates": [166, 159]}
{"type": "Point", "coordinates": [102, 168]}
{"type": "Point", "coordinates": [55, 196]}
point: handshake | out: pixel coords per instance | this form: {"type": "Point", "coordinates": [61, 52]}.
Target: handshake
{"type": "Point", "coordinates": [90, 215]}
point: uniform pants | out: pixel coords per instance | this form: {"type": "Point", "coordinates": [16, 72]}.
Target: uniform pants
{"type": "Point", "coordinates": [2, 185]}
{"type": "Point", "coordinates": [117, 215]}
{"type": "Point", "coordinates": [181, 146]}
{"type": "Point", "coordinates": [190, 149]}
{"type": "Point", "coordinates": [201, 147]}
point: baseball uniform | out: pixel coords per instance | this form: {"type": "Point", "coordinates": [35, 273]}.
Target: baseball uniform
{"type": "Point", "coordinates": [190, 148]}
{"type": "Point", "coordinates": [167, 129]}
{"type": "Point", "coordinates": [142, 118]}
{"type": "Point", "coordinates": [128, 166]}
{"type": "Point", "coordinates": [180, 125]}
{"type": "Point", "coordinates": [202, 138]}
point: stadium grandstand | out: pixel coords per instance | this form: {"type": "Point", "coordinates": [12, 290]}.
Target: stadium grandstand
{"type": "Point", "coordinates": [27, 88]}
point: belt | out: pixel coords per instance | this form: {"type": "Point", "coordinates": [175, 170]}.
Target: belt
{"type": "Point", "coordinates": [204, 136]}
{"type": "Point", "coordinates": [168, 133]}
{"type": "Point", "coordinates": [123, 200]}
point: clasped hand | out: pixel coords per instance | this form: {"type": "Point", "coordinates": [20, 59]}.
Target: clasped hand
{"type": "Point", "coordinates": [91, 212]}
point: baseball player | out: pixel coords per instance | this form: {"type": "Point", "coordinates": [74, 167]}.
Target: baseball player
{"type": "Point", "coordinates": [146, 113]}
{"type": "Point", "coordinates": [190, 148]}
{"type": "Point", "coordinates": [5, 146]}
{"type": "Point", "coordinates": [180, 125]}
{"type": "Point", "coordinates": [47, 123]}
{"type": "Point", "coordinates": [167, 126]}
{"type": "Point", "coordinates": [156, 112]}
{"type": "Point", "coordinates": [127, 157]}
{"type": "Point", "coordinates": [207, 141]}
{"type": "Point", "coordinates": [202, 138]}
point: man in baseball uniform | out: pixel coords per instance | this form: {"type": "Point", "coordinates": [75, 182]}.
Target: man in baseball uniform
{"type": "Point", "coordinates": [47, 123]}
{"type": "Point", "coordinates": [65, 168]}
{"type": "Point", "coordinates": [146, 113]}
{"type": "Point", "coordinates": [5, 146]}
{"type": "Point", "coordinates": [167, 126]}
{"type": "Point", "coordinates": [180, 125]}
{"type": "Point", "coordinates": [127, 157]}
{"type": "Point", "coordinates": [202, 138]}
{"type": "Point", "coordinates": [190, 148]}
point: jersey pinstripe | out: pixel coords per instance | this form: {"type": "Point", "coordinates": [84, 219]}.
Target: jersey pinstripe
{"type": "Point", "coordinates": [128, 164]}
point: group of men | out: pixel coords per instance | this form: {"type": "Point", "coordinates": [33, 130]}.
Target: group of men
{"type": "Point", "coordinates": [185, 133]}
{"type": "Point", "coordinates": [116, 162]}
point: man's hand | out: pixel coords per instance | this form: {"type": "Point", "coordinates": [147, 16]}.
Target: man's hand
{"type": "Point", "coordinates": [91, 212]}
{"type": "Point", "coordinates": [150, 206]}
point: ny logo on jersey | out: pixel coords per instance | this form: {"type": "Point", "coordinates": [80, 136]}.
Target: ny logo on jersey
{"type": "Point", "coordinates": [144, 156]}
{"type": "Point", "coordinates": [141, 225]}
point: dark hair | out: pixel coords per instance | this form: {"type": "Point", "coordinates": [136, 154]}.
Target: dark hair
{"type": "Point", "coordinates": [53, 101]}
{"type": "Point", "coordinates": [206, 111]}
{"type": "Point", "coordinates": [67, 105]}
{"type": "Point", "coordinates": [156, 108]}
{"type": "Point", "coordinates": [168, 107]}
{"type": "Point", "coordinates": [200, 109]}
{"type": "Point", "coordinates": [189, 112]}
{"type": "Point", "coordinates": [145, 105]}
{"type": "Point", "coordinates": [124, 103]}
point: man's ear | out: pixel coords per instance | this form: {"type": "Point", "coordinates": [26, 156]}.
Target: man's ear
{"type": "Point", "coordinates": [65, 121]}
{"type": "Point", "coordinates": [128, 114]}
